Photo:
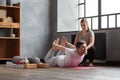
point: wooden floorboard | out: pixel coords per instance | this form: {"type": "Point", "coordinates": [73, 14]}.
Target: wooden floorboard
{"type": "Point", "coordinates": [55, 73]}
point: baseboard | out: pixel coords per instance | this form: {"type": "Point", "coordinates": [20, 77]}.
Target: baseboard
{"type": "Point", "coordinates": [114, 63]}
{"type": "Point", "coordinates": [99, 61]}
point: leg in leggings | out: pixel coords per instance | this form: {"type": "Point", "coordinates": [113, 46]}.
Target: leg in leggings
{"type": "Point", "coordinates": [90, 55]}
{"type": "Point", "coordinates": [50, 58]}
{"type": "Point", "coordinates": [84, 60]}
{"type": "Point", "coordinates": [60, 53]}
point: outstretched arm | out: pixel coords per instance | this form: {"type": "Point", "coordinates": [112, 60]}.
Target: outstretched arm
{"type": "Point", "coordinates": [58, 47]}
{"type": "Point", "coordinates": [66, 43]}
{"type": "Point", "coordinates": [70, 45]}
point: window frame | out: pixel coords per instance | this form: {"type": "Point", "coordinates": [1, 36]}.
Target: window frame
{"type": "Point", "coordinates": [99, 17]}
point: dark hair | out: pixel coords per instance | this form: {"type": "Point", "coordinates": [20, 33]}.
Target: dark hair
{"type": "Point", "coordinates": [84, 20]}
{"type": "Point", "coordinates": [79, 44]}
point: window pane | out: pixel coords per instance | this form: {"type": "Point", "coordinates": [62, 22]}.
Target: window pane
{"type": "Point", "coordinates": [81, 1]}
{"type": "Point", "coordinates": [112, 21]}
{"type": "Point", "coordinates": [81, 10]}
{"type": "Point", "coordinates": [104, 22]}
{"type": "Point", "coordinates": [89, 22]}
{"type": "Point", "coordinates": [91, 9]}
{"type": "Point", "coordinates": [118, 20]}
{"type": "Point", "coordinates": [79, 26]}
{"type": "Point", "coordinates": [110, 6]}
{"type": "Point", "coordinates": [95, 23]}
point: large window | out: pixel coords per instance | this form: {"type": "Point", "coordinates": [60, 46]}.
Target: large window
{"type": "Point", "coordinates": [91, 7]}
{"type": "Point", "coordinates": [110, 6]}
{"type": "Point", "coordinates": [90, 12]}
{"type": "Point", "coordinates": [100, 14]}
{"type": "Point", "coordinates": [111, 10]}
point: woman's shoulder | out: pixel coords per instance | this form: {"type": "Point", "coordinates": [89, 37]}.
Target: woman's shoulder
{"type": "Point", "coordinates": [91, 31]}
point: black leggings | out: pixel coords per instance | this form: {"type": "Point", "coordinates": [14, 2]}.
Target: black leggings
{"type": "Point", "coordinates": [90, 55]}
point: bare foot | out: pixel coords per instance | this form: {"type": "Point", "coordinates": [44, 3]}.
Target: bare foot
{"type": "Point", "coordinates": [57, 40]}
{"type": "Point", "coordinates": [90, 64]}
{"type": "Point", "coordinates": [53, 47]}
{"type": "Point", "coordinates": [63, 41]}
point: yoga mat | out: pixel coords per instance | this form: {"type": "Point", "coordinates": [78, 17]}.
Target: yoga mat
{"type": "Point", "coordinates": [82, 67]}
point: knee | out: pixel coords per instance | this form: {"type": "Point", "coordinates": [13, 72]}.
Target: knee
{"type": "Point", "coordinates": [91, 50]}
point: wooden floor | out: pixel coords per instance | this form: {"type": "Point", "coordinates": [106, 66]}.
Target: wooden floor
{"type": "Point", "coordinates": [96, 73]}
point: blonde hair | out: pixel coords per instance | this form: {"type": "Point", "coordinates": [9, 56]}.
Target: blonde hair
{"type": "Point", "coordinates": [84, 20]}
